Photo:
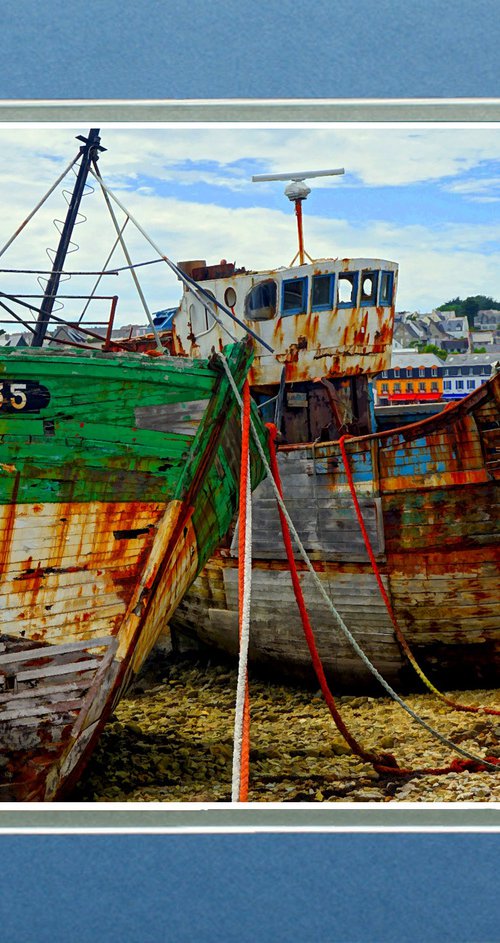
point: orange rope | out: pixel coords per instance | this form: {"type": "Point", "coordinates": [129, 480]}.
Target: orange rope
{"type": "Point", "coordinates": [399, 634]}
{"type": "Point", "coordinates": [383, 761]}
{"type": "Point", "coordinates": [244, 485]}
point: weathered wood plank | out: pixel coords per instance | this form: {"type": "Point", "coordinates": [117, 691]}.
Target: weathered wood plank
{"type": "Point", "coordinates": [53, 651]}
{"type": "Point", "coordinates": [31, 674]}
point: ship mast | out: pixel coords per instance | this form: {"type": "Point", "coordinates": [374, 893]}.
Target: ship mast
{"type": "Point", "coordinates": [89, 152]}
{"type": "Point", "coordinates": [297, 191]}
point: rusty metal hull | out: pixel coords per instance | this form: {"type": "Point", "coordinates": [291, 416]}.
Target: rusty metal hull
{"type": "Point", "coordinates": [430, 500]}
{"type": "Point", "coordinates": [91, 572]}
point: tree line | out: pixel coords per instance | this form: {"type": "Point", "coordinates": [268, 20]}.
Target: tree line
{"type": "Point", "coordinates": [470, 306]}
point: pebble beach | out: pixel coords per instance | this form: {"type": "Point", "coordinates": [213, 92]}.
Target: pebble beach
{"type": "Point", "coordinates": [171, 740]}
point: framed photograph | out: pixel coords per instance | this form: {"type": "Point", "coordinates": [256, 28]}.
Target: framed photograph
{"type": "Point", "coordinates": [146, 844]}
{"type": "Point", "coordinates": [412, 205]}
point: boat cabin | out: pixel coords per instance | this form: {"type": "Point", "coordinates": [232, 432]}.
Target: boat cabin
{"type": "Point", "coordinates": [327, 318]}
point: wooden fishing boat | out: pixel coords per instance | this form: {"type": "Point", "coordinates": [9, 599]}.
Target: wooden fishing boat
{"type": "Point", "coordinates": [428, 491]}
{"type": "Point", "coordinates": [429, 497]}
{"type": "Point", "coordinates": [119, 476]}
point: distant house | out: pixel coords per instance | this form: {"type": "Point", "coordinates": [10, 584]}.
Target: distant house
{"type": "Point", "coordinates": [459, 345]}
{"type": "Point", "coordinates": [463, 373]}
{"type": "Point", "coordinates": [443, 329]}
{"type": "Point", "coordinates": [483, 338]}
{"type": "Point", "coordinates": [18, 339]}
{"type": "Point", "coordinates": [407, 332]}
{"type": "Point", "coordinates": [457, 327]}
{"type": "Point", "coordinates": [411, 378]}
{"type": "Point", "coordinates": [63, 334]}
{"type": "Point", "coordinates": [487, 320]}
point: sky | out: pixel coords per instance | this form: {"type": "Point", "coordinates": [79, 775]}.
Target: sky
{"type": "Point", "coordinates": [425, 196]}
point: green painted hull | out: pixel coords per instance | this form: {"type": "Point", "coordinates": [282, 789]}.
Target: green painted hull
{"type": "Point", "coordinates": [86, 444]}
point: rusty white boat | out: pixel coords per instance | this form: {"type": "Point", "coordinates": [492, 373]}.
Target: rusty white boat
{"type": "Point", "coordinates": [428, 492]}
{"type": "Point", "coordinates": [119, 475]}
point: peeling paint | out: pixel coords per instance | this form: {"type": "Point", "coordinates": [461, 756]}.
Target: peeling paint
{"type": "Point", "coordinates": [124, 518]}
{"type": "Point", "coordinates": [430, 500]}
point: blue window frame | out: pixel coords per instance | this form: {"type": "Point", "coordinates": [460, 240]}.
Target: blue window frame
{"type": "Point", "coordinates": [347, 289]}
{"type": "Point", "coordinates": [293, 297]}
{"type": "Point", "coordinates": [386, 288]}
{"type": "Point", "coordinates": [369, 285]}
{"type": "Point", "coordinates": [322, 292]}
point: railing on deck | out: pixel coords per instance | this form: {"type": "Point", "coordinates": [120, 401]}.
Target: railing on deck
{"type": "Point", "coordinates": [105, 338]}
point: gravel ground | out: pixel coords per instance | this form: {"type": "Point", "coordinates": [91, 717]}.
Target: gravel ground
{"type": "Point", "coordinates": [171, 740]}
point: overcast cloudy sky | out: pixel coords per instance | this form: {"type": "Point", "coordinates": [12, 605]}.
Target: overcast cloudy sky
{"type": "Point", "coordinates": [427, 197]}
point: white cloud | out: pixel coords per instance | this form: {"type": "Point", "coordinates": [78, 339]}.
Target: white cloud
{"type": "Point", "coordinates": [477, 189]}
{"type": "Point", "coordinates": [392, 156]}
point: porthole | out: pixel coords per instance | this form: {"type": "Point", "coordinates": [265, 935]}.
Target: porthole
{"type": "Point", "coordinates": [230, 297]}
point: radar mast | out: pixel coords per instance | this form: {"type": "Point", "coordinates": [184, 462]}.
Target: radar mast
{"type": "Point", "coordinates": [297, 191]}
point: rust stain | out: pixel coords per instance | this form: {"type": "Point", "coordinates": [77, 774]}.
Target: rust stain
{"type": "Point", "coordinates": [9, 512]}
{"type": "Point", "coordinates": [278, 334]}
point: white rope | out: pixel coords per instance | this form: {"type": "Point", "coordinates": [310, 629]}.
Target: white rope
{"type": "Point", "coordinates": [244, 644]}
{"type": "Point", "coordinates": [338, 618]}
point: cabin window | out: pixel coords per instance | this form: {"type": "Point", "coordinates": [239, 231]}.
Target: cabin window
{"type": "Point", "coordinates": [386, 288]}
{"type": "Point", "coordinates": [369, 284]}
{"type": "Point", "coordinates": [322, 292]}
{"type": "Point", "coordinates": [294, 297]}
{"type": "Point", "coordinates": [230, 297]}
{"type": "Point", "coordinates": [347, 289]}
{"type": "Point", "coordinates": [260, 301]}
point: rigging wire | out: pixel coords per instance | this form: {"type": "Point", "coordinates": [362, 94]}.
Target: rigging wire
{"type": "Point", "coordinates": [40, 204]}
{"type": "Point", "coordinates": [199, 292]}
{"type": "Point", "coordinates": [92, 293]}
{"type": "Point", "coordinates": [96, 173]}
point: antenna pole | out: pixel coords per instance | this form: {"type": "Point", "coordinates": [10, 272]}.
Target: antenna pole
{"type": "Point", "coordinates": [89, 151]}
{"type": "Point", "coordinates": [298, 213]}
